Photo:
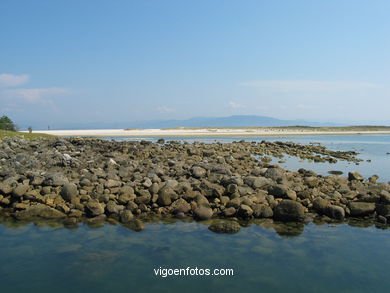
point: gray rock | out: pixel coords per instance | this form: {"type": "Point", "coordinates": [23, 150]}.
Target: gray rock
{"type": "Point", "coordinates": [165, 196]}
{"type": "Point", "coordinates": [355, 176]}
{"type": "Point", "coordinates": [262, 211]}
{"type": "Point", "coordinates": [55, 179]}
{"type": "Point", "coordinates": [20, 190]}
{"type": "Point", "coordinates": [39, 211]}
{"type": "Point", "coordinates": [229, 212]}
{"type": "Point", "coordinates": [198, 172]}
{"type": "Point", "coordinates": [335, 212]}
{"type": "Point", "coordinates": [203, 213]}
{"type": "Point", "coordinates": [245, 211]}
{"type": "Point", "coordinates": [69, 192]}
{"type": "Point", "coordinates": [276, 174]}
{"type": "Point", "coordinates": [113, 208]}
{"type": "Point", "coordinates": [230, 227]}
{"type": "Point", "coordinates": [94, 208]}
{"type": "Point", "coordinates": [126, 216]}
{"type": "Point", "coordinates": [257, 182]}
{"type": "Point", "coordinates": [181, 205]}
{"type": "Point", "coordinates": [359, 209]}
{"type": "Point", "coordinates": [289, 210]}
{"type": "Point", "coordinates": [320, 205]}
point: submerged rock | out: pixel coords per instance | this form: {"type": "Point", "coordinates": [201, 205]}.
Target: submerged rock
{"type": "Point", "coordinates": [229, 227]}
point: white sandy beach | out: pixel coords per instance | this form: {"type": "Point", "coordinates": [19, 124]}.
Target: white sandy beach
{"type": "Point", "coordinates": [201, 132]}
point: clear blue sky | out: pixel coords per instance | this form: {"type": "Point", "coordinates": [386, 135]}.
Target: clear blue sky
{"type": "Point", "coordinates": [107, 61]}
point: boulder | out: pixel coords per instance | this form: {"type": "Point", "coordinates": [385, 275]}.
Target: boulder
{"type": "Point", "coordinates": [55, 179]}
{"type": "Point", "coordinates": [320, 205]}
{"type": "Point", "coordinates": [181, 205]}
{"type": "Point", "coordinates": [289, 210]}
{"type": "Point", "coordinates": [353, 175]}
{"type": "Point", "coordinates": [198, 172]}
{"type": "Point", "coordinates": [69, 192]}
{"type": "Point", "coordinates": [126, 216]}
{"type": "Point", "coordinates": [203, 213]}
{"type": "Point", "coordinates": [360, 209]}
{"type": "Point", "coordinates": [245, 211]}
{"type": "Point", "coordinates": [229, 227]}
{"type": "Point", "coordinates": [39, 211]}
{"type": "Point", "coordinates": [94, 208]}
{"type": "Point", "coordinates": [335, 212]}
{"type": "Point", "coordinates": [20, 190]}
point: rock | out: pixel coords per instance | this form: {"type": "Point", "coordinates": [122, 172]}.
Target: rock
{"type": "Point", "coordinates": [373, 178]}
{"type": "Point", "coordinates": [203, 213]}
{"type": "Point", "coordinates": [257, 182]}
{"type": "Point", "coordinates": [385, 197]}
{"type": "Point", "coordinates": [165, 196]}
{"type": "Point", "coordinates": [198, 172]}
{"type": "Point", "coordinates": [39, 211]}
{"type": "Point", "coordinates": [8, 185]}
{"type": "Point", "coordinates": [94, 208]}
{"type": "Point", "coordinates": [289, 210]}
{"type": "Point", "coordinates": [112, 183]}
{"type": "Point", "coordinates": [276, 174]}
{"type": "Point", "coordinates": [55, 179]}
{"type": "Point", "coordinates": [355, 176]}
{"type": "Point", "coordinates": [262, 211]}
{"type": "Point", "coordinates": [230, 227]}
{"type": "Point", "coordinates": [113, 208]}
{"type": "Point", "coordinates": [335, 212]}
{"type": "Point", "coordinates": [320, 205]}
{"type": "Point", "coordinates": [69, 192]}
{"type": "Point", "coordinates": [161, 141]}
{"type": "Point", "coordinates": [229, 212]}
{"type": "Point", "coordinates": [278, 191]}
{"type": "Point", "coordinates": [20, 190]}
{"type": "Point", "coordinates": [126, 216]}
{"type": "Point", "coordinates": [311, 181]}
{"type": "Point", "coordinates": [383, 209]}
{"type": "Point", "coordinates": [181, 205]}
{"type": "Point", "coordinates": [245, 211]}
{"type": "Point", "coordinates": [359, 209]}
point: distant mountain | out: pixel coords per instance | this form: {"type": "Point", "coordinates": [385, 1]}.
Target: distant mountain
{"type": "Point", "coordinates": [230, 121]}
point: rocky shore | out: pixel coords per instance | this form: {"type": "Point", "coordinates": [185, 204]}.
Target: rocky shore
{"type": "Point", "coordinates": [95, 181]}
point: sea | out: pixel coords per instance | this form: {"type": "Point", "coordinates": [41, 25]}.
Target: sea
{"type": "Point", "coordinates": [184, 256]}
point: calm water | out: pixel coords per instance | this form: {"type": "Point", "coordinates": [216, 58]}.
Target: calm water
{"type": "Point", "coordinates": [264, 257]}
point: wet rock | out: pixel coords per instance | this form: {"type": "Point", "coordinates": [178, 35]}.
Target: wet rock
{"type": "Point", "coordinates": [39, 211]}
{"type": "Point", "coordinates": [165, 196]}
{"type": "Point", "coordinates": [181, 205]}
{"type": "Point", "coordinates": [320, 205]}
{"type": "Point", "coordinates": [262, 211]}
{"type": "Point", "coordinates": [229, 227]}
{"type": "Point", "coordinates": [289, 210]}
{"type": "Point", "coordinates": [355, 176]}
{"type": "Point", "coordinates": [69, 192]}
{"type": "Point", "coordinates": [245, 211]}
{"type": "Point", "coordinates": [94, 208]}
{"type": "Point", "coordinates": [126, 216]}
{"type": "Point", "coordinates": [229, 212]}
{"type": "Point", "coordinates": [203, 213]}
{"type": "Point", "coordinates": [335, 212]}
{"type": "Point", "coordinates": [359, 209]}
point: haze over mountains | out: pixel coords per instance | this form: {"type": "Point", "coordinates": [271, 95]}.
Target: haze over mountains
{"type": "Point", "coordinates": [229, 121]}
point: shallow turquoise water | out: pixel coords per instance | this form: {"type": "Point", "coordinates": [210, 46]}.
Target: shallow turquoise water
{"type": "Point", "coordinates": [264, 257]}
{"type": "Point", "coordinates": [113, 259]}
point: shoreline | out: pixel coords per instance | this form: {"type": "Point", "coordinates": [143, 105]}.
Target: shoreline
{"type": "Point", "coordinates": [204, 132]}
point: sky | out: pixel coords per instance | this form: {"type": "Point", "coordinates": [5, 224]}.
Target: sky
{"type": "Point", "coordinates": [85, 61]}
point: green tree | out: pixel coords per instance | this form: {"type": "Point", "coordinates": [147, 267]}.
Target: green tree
{"type": "Point", "coordinates": [7, 124]}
